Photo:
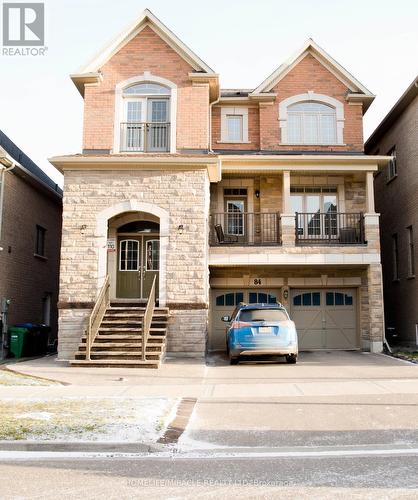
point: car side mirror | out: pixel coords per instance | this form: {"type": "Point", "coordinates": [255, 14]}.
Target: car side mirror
{"type": "Point", "coordinates": [226, 319]}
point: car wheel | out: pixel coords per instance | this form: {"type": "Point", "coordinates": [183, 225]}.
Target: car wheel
{"type": "Point", "coordinates": [291, 359]}
{"type": "Point", "coordinates": [233, 361]}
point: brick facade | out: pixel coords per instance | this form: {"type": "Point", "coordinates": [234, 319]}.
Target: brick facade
{"type": "Point", "coordinates": [146, 52]}
{"type": "Point", "coordinates": [397, 201]}
{"type": "Point", "coordinates": [25, 278]}
{"type": "Point", "coordinates": [263, 127]}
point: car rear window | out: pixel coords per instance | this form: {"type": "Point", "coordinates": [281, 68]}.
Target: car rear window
{"type": "Point", "coordinates": [263, 315]}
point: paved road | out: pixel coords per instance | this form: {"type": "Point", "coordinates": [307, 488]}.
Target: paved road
{"type": "Point", "coordinates": [368, 477]}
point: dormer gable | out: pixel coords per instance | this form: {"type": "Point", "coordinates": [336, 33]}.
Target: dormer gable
{"type": "Point", "coordinates": [90, 73]}
{"type": "Point", "coordinates": [357, 92]}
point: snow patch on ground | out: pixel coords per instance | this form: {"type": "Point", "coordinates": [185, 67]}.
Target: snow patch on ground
{"type": "Point", "coordinates": [109, 420]}
{"type": "Point", "coordinates": [40, 415]}
{"type": "Point", "coordinates": [13, 378]}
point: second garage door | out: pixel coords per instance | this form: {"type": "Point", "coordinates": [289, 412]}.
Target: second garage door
{"type": "Point", "coordinates": [325, 319]}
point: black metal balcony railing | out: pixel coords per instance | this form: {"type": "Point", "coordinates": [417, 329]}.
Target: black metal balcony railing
{"type": "Point", "coordinates": [330, 228]}
{"type": "Point", "coordinates": [145, 136]}
{"type": "Point", "coordinates": [238, 228]}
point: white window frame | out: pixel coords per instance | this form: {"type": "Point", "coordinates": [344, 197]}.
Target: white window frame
{"type": "Point", "coordinates": [241, 214]}
{"type": "Point", "coordinates": [234, 111]}
{"type": "Point", "coordinates": [311, 96]}
{"type": "Point", "coordinates": [146, 256]}
{"type": "Point", "coordinates": [120, 256]}
{"type": "Point", "coordinates": [119, 117]}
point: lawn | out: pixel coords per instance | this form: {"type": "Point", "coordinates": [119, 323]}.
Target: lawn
{"type": "Point", "coordinates": [84, 419]}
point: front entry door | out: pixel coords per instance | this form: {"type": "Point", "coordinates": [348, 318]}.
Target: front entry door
{"type": "Point", "coordinates": [138, 263]}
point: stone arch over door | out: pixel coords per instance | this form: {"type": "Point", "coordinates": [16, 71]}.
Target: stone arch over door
{"type": "Point", "coordinates": [102, 222]}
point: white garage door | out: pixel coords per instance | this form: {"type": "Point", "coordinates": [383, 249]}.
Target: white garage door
{"type": "Point", "coordinates": [223, 304]}
{"type": "Point", "coordinates": [325, 319]}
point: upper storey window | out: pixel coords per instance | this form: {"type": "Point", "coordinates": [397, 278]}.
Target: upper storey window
{"type": "Point", "coordinates": [145, 124]}
{"type": "Point", "coordinates": [147, 89]}
{"type": "Point", "coordinates": [311, 119]}
{"type": "Point", "coordinates": [234, 124]}
{"type": "Point", "coordinates": [312, 123]}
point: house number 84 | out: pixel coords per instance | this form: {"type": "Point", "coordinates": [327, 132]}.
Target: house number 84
{"type": "Point", "coordinates": [257, 281]}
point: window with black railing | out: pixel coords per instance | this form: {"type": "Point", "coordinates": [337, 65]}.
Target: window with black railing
{"type": "Point", "coordinates": [330, 228]}
{"type": "Point", "coordinates": [145, 136]}
{"type": "Point", "coordinates": [146, 118]}
{"type": "Point", "coordinates": [244, 229]}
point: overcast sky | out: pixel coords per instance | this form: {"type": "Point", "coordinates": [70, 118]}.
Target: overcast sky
{"type": "Point", "coordinates": [242, 40]}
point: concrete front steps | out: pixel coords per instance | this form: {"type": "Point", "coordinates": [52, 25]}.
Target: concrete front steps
{"type": "Point", "coordinates": [118, 343]}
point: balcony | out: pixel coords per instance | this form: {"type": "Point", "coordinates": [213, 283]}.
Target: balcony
{"type": "Point", "coordinates": [331, 228]}
{"type": "Point", "coordinates": [244, 229]}
{"type": "Point", "coordinates": [145, 137]}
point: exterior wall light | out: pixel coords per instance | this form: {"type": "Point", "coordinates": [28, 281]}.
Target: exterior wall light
{"type": "Point", "coordinates": [257, 193]}
{"type": "Point", "coordinates": [180, 229]}
{"type": "Point", "coordinates": [83, 229]}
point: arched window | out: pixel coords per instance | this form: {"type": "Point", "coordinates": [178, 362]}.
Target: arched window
{"type": "Point", "coordinates": [145, 115]}
{"type": "Point", "coordinates": [311, 123]}
{"type": "Point", "coordinates": [147, 89]}
{"type": "Point", "coordinates": [311, 119]}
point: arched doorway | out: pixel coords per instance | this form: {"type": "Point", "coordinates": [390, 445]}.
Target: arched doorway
{"type": "Point", "coordinates": [135, 260]}
{"type": "Point", "coordinates": [138, 261]}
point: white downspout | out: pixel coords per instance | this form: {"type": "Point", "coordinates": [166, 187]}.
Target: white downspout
{"type": "Point", "coordinates": [210, 121]}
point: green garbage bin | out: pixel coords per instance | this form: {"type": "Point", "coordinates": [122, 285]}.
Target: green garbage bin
{"type": "Point", "coordinates": [19, 341]}
{"type": "Point", "coordinates": [28, 339]}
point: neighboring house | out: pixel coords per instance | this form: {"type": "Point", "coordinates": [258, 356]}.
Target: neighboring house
{"type": "Point", "coordinates": [224, 195]}
{"type": "Point", "coordinates": [396, 191]}
{"type": "Point", "coordinates": [30, 237]}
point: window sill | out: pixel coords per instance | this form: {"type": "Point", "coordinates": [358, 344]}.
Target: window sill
{"type": "Point", "coordinates": [40, 257]}
{"type": "Point", "coordinates": [233, 142]}
{"type": "Point", "coordinates": [411, 277]}
{"type": "Point", "coordinates": [391, 179]}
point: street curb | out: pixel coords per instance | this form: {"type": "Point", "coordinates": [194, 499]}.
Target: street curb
{"type": "Point", "coordinates": [81, 446]}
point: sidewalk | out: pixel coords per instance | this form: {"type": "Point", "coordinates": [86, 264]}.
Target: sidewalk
{"type": "Point", "coordinates": [316, 375]}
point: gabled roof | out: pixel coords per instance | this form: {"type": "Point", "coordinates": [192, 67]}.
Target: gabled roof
{"type": "Point", "coordinates": [24, 163]}
{"type": "Point", "coordinates": [147, 18]}
{"type": "Point", "coordinates": [358, 90]}
{"type": "Point", "coordinates": [398, 108]}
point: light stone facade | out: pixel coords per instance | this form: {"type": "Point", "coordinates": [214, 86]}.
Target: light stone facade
{"type": "Point", "coordinates": [185, 196]}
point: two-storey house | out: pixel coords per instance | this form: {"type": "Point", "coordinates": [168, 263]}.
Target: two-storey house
{"type": "Point", "coordinates": [255, 195]}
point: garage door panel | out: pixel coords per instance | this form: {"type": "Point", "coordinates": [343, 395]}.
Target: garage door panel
{"type": "Point", "coordinates": [329, 321]}
{"type": "Point", "coordinates": [337, 338]}
{"type": "Point", "coordinates": [310, 339]}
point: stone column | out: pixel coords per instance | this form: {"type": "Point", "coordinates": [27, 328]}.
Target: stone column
{"type": "Point", "coordinates": [376, 311]}
{"type": "Point", "coordinates": [370, 192]}
{"type": "Point", "coordinates": [288, 216]}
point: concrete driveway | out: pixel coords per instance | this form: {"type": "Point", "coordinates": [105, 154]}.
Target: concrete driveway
{"type": "Point", "coordinates": [327, 398]}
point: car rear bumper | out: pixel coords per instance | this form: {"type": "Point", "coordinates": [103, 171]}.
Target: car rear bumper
{"type": "Point", "coordinates": [258, 351]}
